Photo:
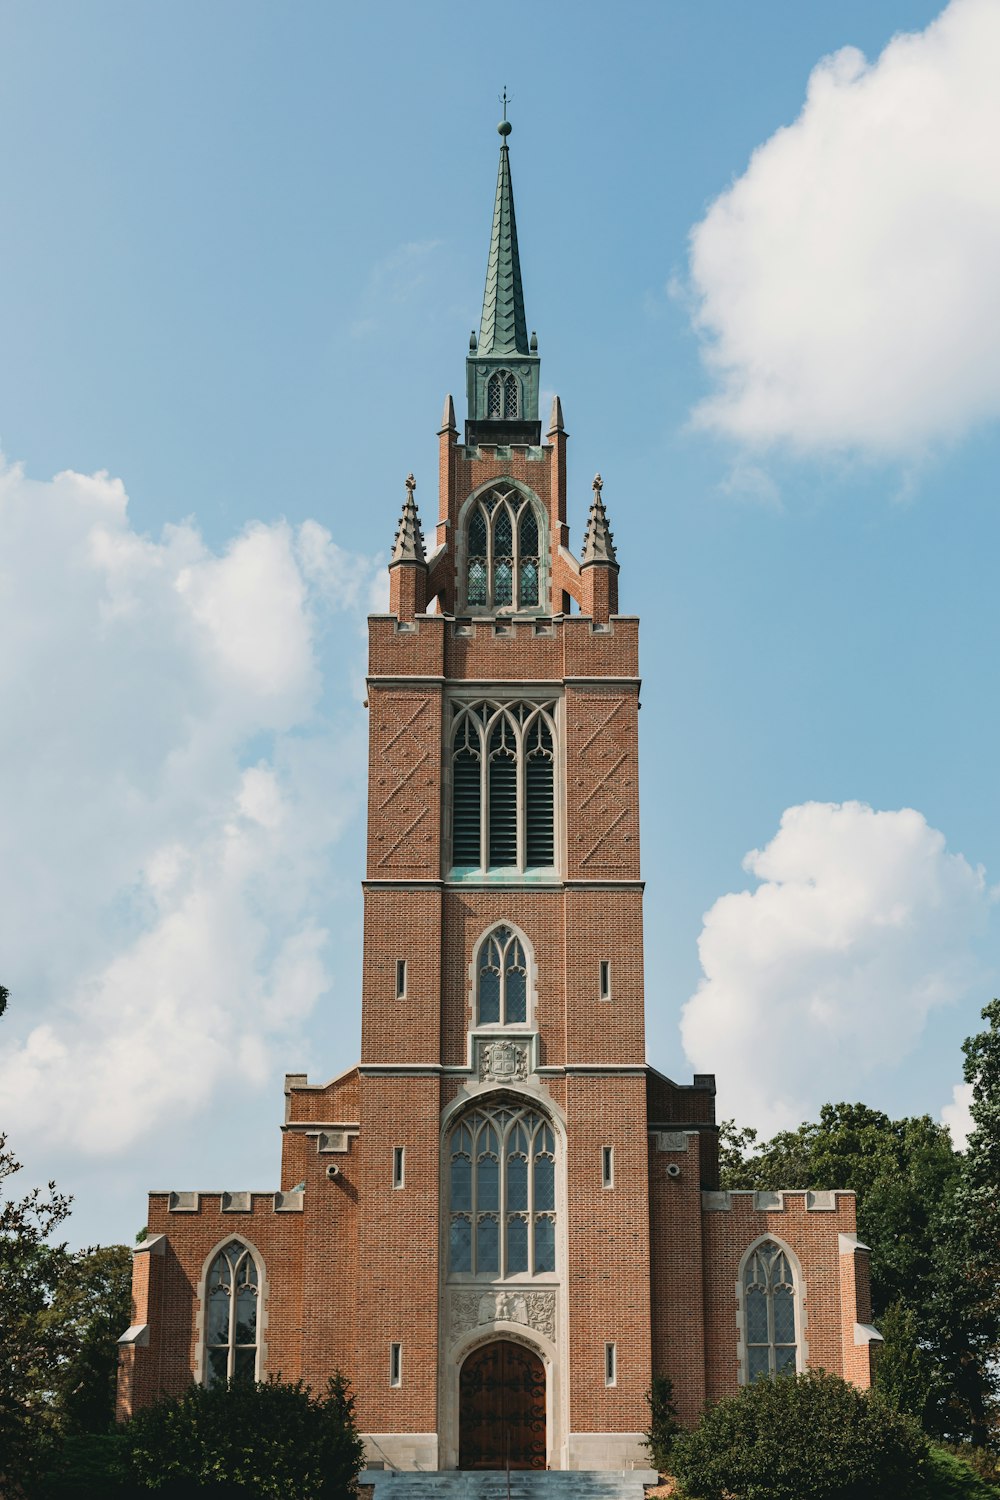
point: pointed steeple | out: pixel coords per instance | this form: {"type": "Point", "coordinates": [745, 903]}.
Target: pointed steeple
{"type": "Point", "coordinates": [502, 367]}
{"type": "Point", "coordinates": [599, 542]}
{"type": "Point", "coordinates": [502, 329]}
{"type": "Point", "coordinates": [408, 543]}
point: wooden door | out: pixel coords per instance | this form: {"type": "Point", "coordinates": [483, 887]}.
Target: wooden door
{"type": "Point", "coordinates": [502, 1408]}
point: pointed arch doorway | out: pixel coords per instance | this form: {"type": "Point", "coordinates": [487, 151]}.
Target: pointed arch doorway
{"type": "Point", "coordinates": [502, 1408]}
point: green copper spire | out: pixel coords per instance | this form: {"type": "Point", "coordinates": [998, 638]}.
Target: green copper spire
{"type": "Point", "coordinates": [502, 367]}
{"type": "Point", "coordinates": [503, 329]}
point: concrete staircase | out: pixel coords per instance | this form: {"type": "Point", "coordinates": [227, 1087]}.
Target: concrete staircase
{"type": "Point", "coordinates": [491, 1484]}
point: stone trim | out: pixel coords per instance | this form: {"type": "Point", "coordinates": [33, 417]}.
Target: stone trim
{"type": "Point", "coordinates": [137, 1336]}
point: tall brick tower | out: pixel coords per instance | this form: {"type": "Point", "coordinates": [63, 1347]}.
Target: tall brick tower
{"type": "Point", "coordinates": [502, 1221]}
{"type": "Point", "coordinates": [503, 941]}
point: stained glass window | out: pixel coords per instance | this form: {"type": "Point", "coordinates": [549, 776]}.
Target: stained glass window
{"type": "Point", "coordinates": [502, 1209]}
{"type": "Point", "coordinates": [769, 1313]}
{"type": "Point", "coordinates": [231, 1295]}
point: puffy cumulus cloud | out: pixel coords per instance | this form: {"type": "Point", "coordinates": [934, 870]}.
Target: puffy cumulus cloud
{"type": "Point", "coordinates": [846, 283]}
{"type": "Point", "coordinates": [958, 1115]}
{"type": "Point", "coordinates": [862, 923]}
{"type": "Point", "coordinates": [177, 776]}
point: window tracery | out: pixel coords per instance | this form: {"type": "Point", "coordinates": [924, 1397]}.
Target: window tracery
{"type": "Point", "coordinates": [503, 786]}
{"type": "Point", "coordinates": [501, 980]}
{"type": "Point", "coordinates": [501, 1163]}
{"type": "Point", "coordinates": [502, 393]}
{"type": "Point", "coordinates": [232, 1289]}
{"type": "Point", "coordinates": [504, 562]}
{"type": "Point", "coordinates": [770, 1335]}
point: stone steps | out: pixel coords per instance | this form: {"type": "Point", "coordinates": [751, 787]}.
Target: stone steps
{"type": "Point", "coordinates": [491, 1484]}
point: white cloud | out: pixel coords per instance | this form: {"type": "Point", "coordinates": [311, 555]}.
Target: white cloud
{"type": "Point", "coordinates": [846, 283]}
{"type": "Point", "coordinates": [862, 924]}
{"type": "Point", "coordinates": [958, 1115]}
{"type": "Point", "coordinates": [177, 774]}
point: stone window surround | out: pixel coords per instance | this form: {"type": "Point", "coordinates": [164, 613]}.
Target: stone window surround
{"type": "Point", "coordinates": [544, 605]}
{"type": "Point", "coordinates": [462, 695]}
{"type": "Point", "coordinates": [516, 1028]}
{"type": "Point", "coordinates": [199, 1371]}
{"type": "Point", "coordinates": [801, 1310]}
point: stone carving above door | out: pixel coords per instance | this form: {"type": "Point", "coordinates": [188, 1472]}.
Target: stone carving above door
{"type": "Point", "coordinates": [503, 1062]}
{"type": "Point", "coordinates": [470, 1310]}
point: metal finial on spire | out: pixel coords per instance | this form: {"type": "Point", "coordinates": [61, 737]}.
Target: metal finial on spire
{"type": "Point", "coordinates": [505, 127]}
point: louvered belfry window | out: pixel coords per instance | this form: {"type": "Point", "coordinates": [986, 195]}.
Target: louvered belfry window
{"type": "Point", "coordinates": [503, 568]}
{"type": "Point", "coordinates": [503, 786]}
{"type": "Point", "coordinates": [769, 1312]}
{"type": "Point", "coordinates": [502, 1169]}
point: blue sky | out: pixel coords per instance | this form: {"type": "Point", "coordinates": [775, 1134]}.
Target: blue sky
{"type": "Point", "coordinates": [243, 246]}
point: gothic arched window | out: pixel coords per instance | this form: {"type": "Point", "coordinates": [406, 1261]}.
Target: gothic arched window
{"type": "Point", "coordinates": [503, 786]}
{"type": "Point", "coordinates": [232, 1289]}
{"type": "Point", "coordinates": [502, 1175]}
{"type": "Point", "coordinates": [501, 980]}
{"type": "Point", "coordinates": [503, 566]}
{"type": "Point", "coordinates": [769, 1312]}
{"type": "Point", "coordinates": [502, 392]}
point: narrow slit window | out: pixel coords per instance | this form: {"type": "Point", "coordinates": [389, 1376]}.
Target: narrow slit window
{"type": "Point", "coordinates": [400, 978]}
{"type": "Point", "coordinates": [395, 1364]}
{"type": "Point", "coordinates": [605, 980]}
{"type": "Point", "coordinates": [398, 1165]}
{"type": "Point", "coordinates": [607, 1166]}
{"type": "Point", "coordinates": [610, 1364]}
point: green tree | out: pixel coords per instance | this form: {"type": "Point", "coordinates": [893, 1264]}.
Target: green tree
{"type": "Point", "coordinates": [31, 1346]}
{"type": "Point", "coordinates": [969, 1297]}
{"type": "Point", "coordinates": [91, 1307]}
{"type": "Point", "coordinates": [273, 1439]}
{"type": "Point", "coordinates": [901, 1374]}
{"type": "Point", "coordinates": [805, 1437]}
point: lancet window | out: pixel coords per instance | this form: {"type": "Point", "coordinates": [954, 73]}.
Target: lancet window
{"type": "Point", "coordinates": [501, 980]}
{"type": "Point", "coordinates": [232, 1290]}
{"type": "Point", "coordinates": [503, 786]}
{"type": "Point", "coordinates": [769, 1312]}
{"type": "Point", "coordinates": [501, 396]}
{"type": "Point", "coordinates": [502, 1165]}
{"type": "Point", "coordinates": [502, 548]}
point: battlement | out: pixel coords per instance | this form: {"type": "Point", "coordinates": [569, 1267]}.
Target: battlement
{"type": "Point", "coordinates": [746, 1200]}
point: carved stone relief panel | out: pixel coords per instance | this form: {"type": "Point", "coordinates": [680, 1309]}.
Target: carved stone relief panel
{"type": "Point", "coordinates": [503, 1061]}
{"type": "Point", "coordinates": [471, 1309]}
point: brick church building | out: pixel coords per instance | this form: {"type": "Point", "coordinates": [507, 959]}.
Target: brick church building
{"type": "Point", "coordinates": [502, 1222]}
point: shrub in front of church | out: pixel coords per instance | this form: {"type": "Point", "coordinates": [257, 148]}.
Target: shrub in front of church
{"type": "Point", "coordinates": [805, 1437]}
{"type": "Point", "coordinates": [663, 1424]}
{"type": "Point", "coordinates": [273, 1439]}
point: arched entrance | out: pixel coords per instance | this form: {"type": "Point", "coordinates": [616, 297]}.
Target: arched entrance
{"type": "Point", "coordinates": [502, 1408]}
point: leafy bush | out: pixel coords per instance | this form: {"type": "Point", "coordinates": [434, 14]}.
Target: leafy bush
{"type": "Point", "coordinates": [84, 1466]}
{"type": "Point", "coordinates": [805, 1437]}
{"type": "Point", "coordinates": [275, 1439]}
{"type": "Point", "coordinates": [983, 1463]}
{"type": "Point", "coordinates": [663, 1423]}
